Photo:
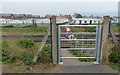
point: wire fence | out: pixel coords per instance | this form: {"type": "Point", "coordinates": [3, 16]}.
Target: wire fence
{"type": "Point", "coordinates": [31, 28]}
{"type": "Point", "coordinates": [22, 38]}
{"type": "Point", "coordinates": [114, 31]}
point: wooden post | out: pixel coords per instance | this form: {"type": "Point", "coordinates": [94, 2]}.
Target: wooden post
{"type": "Point", "coordinates": [105, 34]}
{"type": "Point", "coordinates": [54, 40]}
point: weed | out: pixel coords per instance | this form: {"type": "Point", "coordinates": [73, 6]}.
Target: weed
{"type": "Point", "coordinates": [46, 54]}
{"type": "Point", "coordinates": [115, 67]}
{"type": "Point", "coordinates": [113, 57]}
{"type": "Point", "coordinates": [13, 53]}
{"type": "Point", "coordinates": [26, 43]}
{"type": "Point", "coordinates": [21, 71]}
{"type": "Point", "coordinates": [48, 66]}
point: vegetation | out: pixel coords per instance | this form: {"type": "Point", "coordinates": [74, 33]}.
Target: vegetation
{"type": "Point", "coordinates": [45, 55]}
{"type": "Point", "coordinates": [76, 53]}
{"type": "Point", "coordinates": [48, 66]}
{"type": "Point", "coordinates": [84, 29]}
{"type": "Point", "coordinates": [115, 67]}
{"type": "Point", "coordinates": [77, 15]}
{"type": "Point", "coordinates": [21, 52]}
{"type": "Point", "coordinates": [117, 29]}
{"type": "Point", "coordinates": [80, 29]}
{"type": "Point", "coordinates": [24, 31]}
{"type": "Point", "coordinates": [114, 59]}
{"type": "Point", "coordinates": [26, 43]}
{"type": "Point", "coordinates": [21, 71]}
{"type": "Point", "coordinates": [13, 53]}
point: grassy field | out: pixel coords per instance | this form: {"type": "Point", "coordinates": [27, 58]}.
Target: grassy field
{"type": "Point", "coordinates": [80, 29]}
{"type": "Point", "coordinates": [42, 30]}
{"type": "Point", "coordinates": [24, 31]}
{"type": "Point", "coordinates": [19, 54]}
{"type": "Point", "coordinates": [12, 52]}
{"type": "Point", "coordinates": [116, 29]}
{"type": "Point", "coordinates": [23, 50]}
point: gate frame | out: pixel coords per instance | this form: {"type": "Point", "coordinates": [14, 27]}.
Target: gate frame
{"type": "Point", "coordinates": [97, 42]}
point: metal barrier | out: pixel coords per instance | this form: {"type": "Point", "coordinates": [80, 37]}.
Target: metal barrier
{"type": "Point", "coordinates": [77, 44]}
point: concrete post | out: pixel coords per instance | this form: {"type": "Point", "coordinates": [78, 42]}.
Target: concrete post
{"type": "Point", "coordinates": [105, 34]}
{"type": "Point", "coordinates": [54, 39]}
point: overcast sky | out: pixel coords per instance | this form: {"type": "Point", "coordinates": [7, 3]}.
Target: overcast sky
{"type": "Point", "coordinates": [56, 8]}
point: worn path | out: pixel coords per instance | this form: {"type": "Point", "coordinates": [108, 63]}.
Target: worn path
{"type": "Point", "coordinates": [74, 66]}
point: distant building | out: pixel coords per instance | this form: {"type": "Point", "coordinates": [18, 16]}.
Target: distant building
{"type": "Point", "coordinates": [60, 19]}
{"type": "Point", "coordinates": [115, 20]}
{"type": "Point", "coordinates": [87, 21]}
{"type": "Point", "coordinates": [17, 16]}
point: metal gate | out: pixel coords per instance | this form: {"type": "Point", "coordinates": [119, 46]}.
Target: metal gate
{"type": "Point", "coordinates": [79, 42]}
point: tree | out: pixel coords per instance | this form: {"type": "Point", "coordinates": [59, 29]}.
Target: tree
{"type": "Point", "coordinates": [77, 15]}
{"type": "Point", "coordinates": [91, 16]}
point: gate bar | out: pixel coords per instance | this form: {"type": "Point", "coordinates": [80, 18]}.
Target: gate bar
{"type": "Point", "coordinates": [77, 48]}
{"type": "Point", "coordinates": [78, 39]}
{"type": "Point", "coordinates": [99, 44]}
{"type": "Point", "coordinates": [81, 33]}
{"type": "Point", "coordinates": [96, 47]}
{"type": "Point", "coordinates": [78, 25]}
{"type": "Point", "coordinates": [77, 57]}
{"type": "Point", "coordinates": [59, 45]}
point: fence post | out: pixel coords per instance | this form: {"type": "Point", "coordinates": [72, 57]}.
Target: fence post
{"type": "Point", "coordinates": [54, 39]}
{"type": "Point", "coordinates": [105, 34]}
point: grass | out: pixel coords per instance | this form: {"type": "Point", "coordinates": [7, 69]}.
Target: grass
{"type": "Point", "coordinates": [48, 66]}
{"type": "Point", "coordinates": [46, 54]}
{"type": "Point", "coordinates": [79, 29]}
{"type": "Point", "coordinates": [24, 31]}
{"type": "Point", "coordinates": [118, 29]}
{"type": "Point", "coordinates": [21, 71]}
{"type": "Point", "coordinates": [12, 53]}
{"type": "Point", "coordinates": [78, 53]}
{"type": "Point", "coordinates": [20, 58]}
{"type": "Point", "coordinates": [115, 67]}
{"type": "Point", "coordinates": [113, 58]}
{"type": "Point", "coordinates": [16, 64]}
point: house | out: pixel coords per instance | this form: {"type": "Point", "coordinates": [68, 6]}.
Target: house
{"type": "Point", "coordinates": [87, 21]}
